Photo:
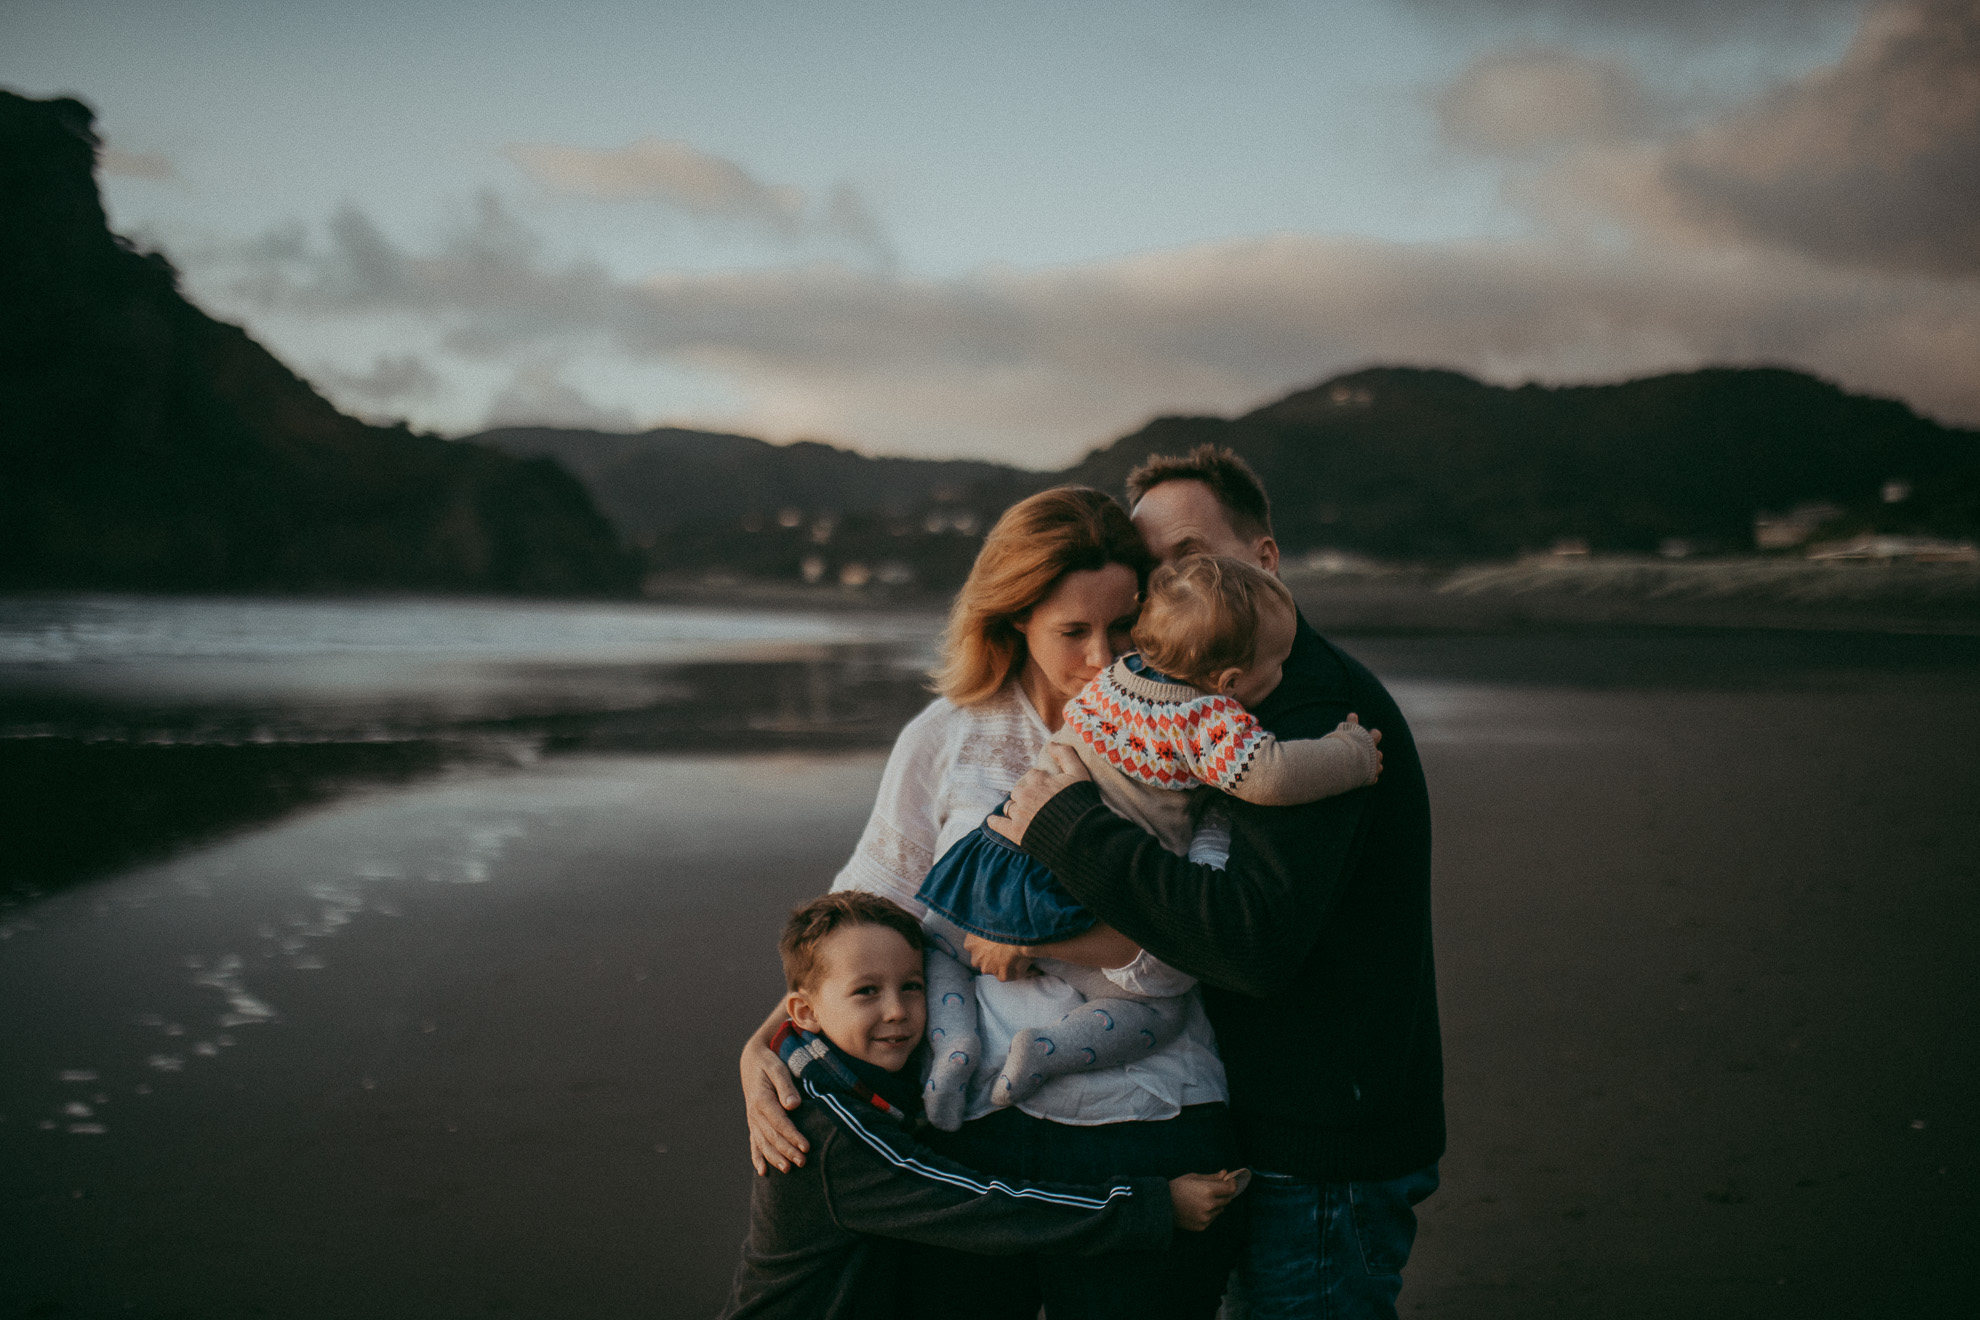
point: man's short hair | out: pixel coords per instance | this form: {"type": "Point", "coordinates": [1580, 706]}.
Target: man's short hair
{"type": "Point", "coordinates": [811, 922]}
{"type": "Point", "coordinates": [1237, 488]}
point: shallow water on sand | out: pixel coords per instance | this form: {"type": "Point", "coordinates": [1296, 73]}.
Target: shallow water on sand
{"type": "Point", "coordinates": [455, 1035]}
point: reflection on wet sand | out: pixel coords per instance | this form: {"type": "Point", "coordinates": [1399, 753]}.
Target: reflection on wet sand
{"type": "Point", "coordinates": [139, 727]}
{"type": "Point", "coordinates": [462, 1041]}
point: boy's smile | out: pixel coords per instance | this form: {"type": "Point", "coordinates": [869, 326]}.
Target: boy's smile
{"type": "Point", "coordinates": [867, 995]}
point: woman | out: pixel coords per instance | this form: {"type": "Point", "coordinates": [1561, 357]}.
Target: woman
{"type": "Point", "coordinates": [1049, 603]}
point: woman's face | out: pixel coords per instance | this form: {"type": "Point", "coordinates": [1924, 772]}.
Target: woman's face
{"type": "Point", "coordinates": [1078, 629]}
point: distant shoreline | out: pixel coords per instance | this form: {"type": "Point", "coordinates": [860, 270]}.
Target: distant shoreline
{"type": "Point", "coordinates": [1544, 592]}
{"type": "Point", "coordinates": [1540, 593]}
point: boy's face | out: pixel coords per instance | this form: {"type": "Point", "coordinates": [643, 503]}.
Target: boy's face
{"type": "Point", "coordinates": [867, 995]}
{"type": "Point", "coordinates": [1258, 680]}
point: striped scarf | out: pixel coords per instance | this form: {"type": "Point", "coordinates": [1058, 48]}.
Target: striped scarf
{"type": "Point", "coordinates": [802, 1052]}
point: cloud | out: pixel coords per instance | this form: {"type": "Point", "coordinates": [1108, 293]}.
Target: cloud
{"type": "Point", "coordinates": [1875, 161]}
{"type": "Point", "coordinates": [136, 165]}
{"type": "Point", "coordinates": [1035, 365]}
{"type": "Point", "coordinates": [1519, 102]}
{"type": "Point", "coordinates": [391, 378]}
{"type": "Point", "coordinates": [706, 187]}
{"type": "Point", "coordinates": [1827, 226]}
{"type": "Point", "coordinates": [1692, 19]}
{"type": "Point", "coordinates": [538, 395]}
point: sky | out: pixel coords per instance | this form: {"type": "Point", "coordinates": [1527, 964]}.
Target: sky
{"type": "Point", "coordinates": [1016, 230]}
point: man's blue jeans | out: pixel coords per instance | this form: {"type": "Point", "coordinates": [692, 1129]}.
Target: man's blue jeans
{"type": "Point", "coordinates": [1329, 1251]}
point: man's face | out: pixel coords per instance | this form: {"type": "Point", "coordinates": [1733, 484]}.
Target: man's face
{"type": "Point", "coordinates": [1180, 518]}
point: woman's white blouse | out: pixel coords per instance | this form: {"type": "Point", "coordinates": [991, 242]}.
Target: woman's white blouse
{"type": "Point", "coordinates": [949, 769]}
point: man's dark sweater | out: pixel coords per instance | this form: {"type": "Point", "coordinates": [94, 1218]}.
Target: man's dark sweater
{"type": "Point", "coordinates": [822, 1238]}
{"type": "Point", "coordinates": [1313, 947]}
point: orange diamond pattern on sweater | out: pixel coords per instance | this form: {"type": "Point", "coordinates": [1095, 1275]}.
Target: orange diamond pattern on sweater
{"type": "Point", "coordinates": [1178, 745]}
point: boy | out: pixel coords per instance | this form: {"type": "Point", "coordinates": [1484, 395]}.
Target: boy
{"type": "Point", "coordinates": [820, 1236]}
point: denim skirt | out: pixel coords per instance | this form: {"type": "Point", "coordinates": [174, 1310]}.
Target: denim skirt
{"type": "Point", "coordinates": [990, 887]}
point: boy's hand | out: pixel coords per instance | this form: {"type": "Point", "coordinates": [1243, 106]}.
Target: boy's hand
{"type": "Point", "coordinates": [1196, 1199]}
{"type": "Point", "coordinates": [768, 1091]}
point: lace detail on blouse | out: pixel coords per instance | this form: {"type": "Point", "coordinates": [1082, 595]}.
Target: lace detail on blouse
{"type": "Point", "coordinates": [949, 769]}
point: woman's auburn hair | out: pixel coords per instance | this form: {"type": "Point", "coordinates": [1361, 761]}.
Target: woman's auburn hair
{"type": "Point", "coordinates": [1069, 529]}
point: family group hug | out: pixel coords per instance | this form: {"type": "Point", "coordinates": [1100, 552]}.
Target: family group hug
{"type": "Point", "coordinates": [1124, 1006]}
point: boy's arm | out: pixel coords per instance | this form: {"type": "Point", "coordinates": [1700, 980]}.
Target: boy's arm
{"type": "Point", "coordinates": [1285, 774]}
{"type": "Point", "coordinates": [879, 1180]}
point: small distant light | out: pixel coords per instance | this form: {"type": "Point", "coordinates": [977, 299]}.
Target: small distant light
{"type": "Point", "coordinates": [1897, 490]}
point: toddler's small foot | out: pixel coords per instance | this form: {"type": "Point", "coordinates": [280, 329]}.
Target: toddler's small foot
{"type": "Point", "coordinates": [943, 1105]}
{"type": "Point", "coordinates": [1026, 1068]}
{"type": "Point", "coordinates": [947, 1090]}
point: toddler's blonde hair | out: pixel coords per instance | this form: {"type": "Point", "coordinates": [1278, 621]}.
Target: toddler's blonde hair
{"type": "Point", "coordinates": [1201, 616]}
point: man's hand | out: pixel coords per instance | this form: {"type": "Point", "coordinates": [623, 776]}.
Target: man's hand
{"type": "Point", "coordinates": [1006, 962]}
{"type": "Point", "coordinates": [767, 1092]}
{"type": "Point", "coordinates": [1039, 786]}
{"type": "Point", "coordinates": [1196, 1199]}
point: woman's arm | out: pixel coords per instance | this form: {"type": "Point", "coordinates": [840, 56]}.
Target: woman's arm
{"type": "Point", "coordinates": [768, 1092]}
{"type": "Point", "coordinates": [894, 852]}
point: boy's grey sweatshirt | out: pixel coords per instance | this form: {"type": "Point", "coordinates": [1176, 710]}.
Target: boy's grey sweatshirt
{"type": "Point", "coordinates": [823, 1237]}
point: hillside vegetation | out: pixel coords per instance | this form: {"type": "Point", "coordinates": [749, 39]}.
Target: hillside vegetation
{"type": "Point", "coordinates": [147, 446]}
{"type": "Point", "coordinates": [1396, 463]}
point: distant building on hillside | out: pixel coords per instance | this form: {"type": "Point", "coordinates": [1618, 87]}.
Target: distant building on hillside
{"type": "Point", "coordinates": [1784, 531]}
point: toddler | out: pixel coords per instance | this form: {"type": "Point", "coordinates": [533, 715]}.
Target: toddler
{"type": "Point", "coordinates": [1160, 731]}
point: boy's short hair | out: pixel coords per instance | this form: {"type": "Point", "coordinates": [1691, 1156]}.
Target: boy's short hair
{"type": "Point", "coordinates": [811, 922]}
{"type": "Point", "coordinates": [1238, 490]}
{"type": "Point", "coordinates": [1201, 616]}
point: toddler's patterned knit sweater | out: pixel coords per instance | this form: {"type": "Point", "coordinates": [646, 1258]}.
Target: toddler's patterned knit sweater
{"type": "Point", "coordinates": [1155, 746]}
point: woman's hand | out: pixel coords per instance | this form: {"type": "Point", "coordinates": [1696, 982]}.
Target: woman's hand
{"type": "Point", "coordinates": [1038, 786]}
{"type": "Point", "coordinates": [768, 1092]}
{"type": "Point", "coordinates": [1006, 962]}
{"type": "Point", "coordinates": [1196, 1199]}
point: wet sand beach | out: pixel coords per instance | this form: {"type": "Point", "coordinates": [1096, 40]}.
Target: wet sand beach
{"type": "Point", "coordinates": [462, 1042]}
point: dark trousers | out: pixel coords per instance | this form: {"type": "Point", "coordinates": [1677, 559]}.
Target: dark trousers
{"type": "Point", "coordinates": [1183, 1283]}
{"type": "Point", "coordinates": [1329, 1251]}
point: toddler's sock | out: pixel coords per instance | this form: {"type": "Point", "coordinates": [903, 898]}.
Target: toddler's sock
{"type": "Point", "coordinates": [1101, 1033]}
{"type": "Point", "coordinates": [954, 1043]}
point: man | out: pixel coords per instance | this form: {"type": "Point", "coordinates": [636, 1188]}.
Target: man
{"type": "Point", "coordinates": [1313, 946]}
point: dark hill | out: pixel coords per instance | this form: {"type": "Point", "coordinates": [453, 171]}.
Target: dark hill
{"type": "Point", "coordinates": [1434, 465]}
{"type": "Point", "coordinates": [637, 479]}
{"type": "Point", "coordinates": [700, 501]}
{"type": "Point", "coordinates": [1393, 462]}
{"type": "Point", "coordinates": [145, 445]}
